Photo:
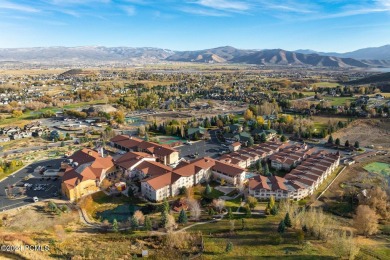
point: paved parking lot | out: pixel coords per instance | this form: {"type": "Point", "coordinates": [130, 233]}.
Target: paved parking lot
{"type": "Point", "coordinates": [200, 149]}
{"type": "Point", "coordinates": [43, 188]}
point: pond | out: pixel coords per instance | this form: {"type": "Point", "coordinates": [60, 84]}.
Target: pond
{"type": "Point", "coordinates": [249, 175]}
{"type": "Point", "coordinates": [121, 213]}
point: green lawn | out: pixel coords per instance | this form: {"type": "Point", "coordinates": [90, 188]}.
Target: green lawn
{"type": "Point", "coordinates": [308, 93]}
{"type": "Point", "coordinates": [215, 194]}
{"type": "Point", "coordinates": [339, 101]}
{"type": "Point", "coordinates": [234, 204]}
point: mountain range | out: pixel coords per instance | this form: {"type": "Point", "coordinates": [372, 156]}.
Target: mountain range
{"type": "Point", "coordinates": [363, 58]}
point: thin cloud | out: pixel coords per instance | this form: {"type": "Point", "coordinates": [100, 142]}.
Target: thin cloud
{"type": "Point", "coordinates": [203, 12]}
{"type": "Point", "coordinates": [129, 10]}
{"type": "Point", "coordinates": [286, 8]}
{"type": "Point", "coordinates": [78, 2]}
{"type": "Point", "coordinates": [224, 5]}
{"type": "Point", "coordinates": [18, 7]}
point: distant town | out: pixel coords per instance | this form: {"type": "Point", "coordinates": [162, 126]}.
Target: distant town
{"type": "Point", "coordinates": [195, 161]}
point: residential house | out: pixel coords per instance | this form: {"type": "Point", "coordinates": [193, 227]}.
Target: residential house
{"type": "Point", "coordinates": [196, 132]}
{"type": "Point", "coordinates": [235, 146]}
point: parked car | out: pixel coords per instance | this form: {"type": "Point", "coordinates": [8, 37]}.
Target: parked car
{"type": "Point", "coordinates": [35, 199]}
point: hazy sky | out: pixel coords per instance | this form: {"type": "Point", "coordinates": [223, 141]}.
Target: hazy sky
{"type": "Point", "coordinates": [322, 25]}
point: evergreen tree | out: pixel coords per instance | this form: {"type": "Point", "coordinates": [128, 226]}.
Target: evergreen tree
{"type": "Point", "coordinates": [182, 217]}
{"type": "Point", "coordinates": [274, 210]}
{"type": "Point", "coordinates": [164, 219]}
{"type": "Point", "coordinates": [330, 139]}
{"type": "Point", "coordinates": [258, 165]}
{"type": "Point", "coordinates": [287, 220]}
{"type": "Point", "coordinates": [115, 226]}
{"type": "Point", "coordinates": [165, 206]}
{"type": "Point", "coordinates": [283, 138]}
{"type": "Point", "coordinates": [229, 247]}
{"type": "Point", "coordinates": [251, 142]}
{"type": "Point", "coordinates": [337, 142]}
{"type": "Point", "coordinates": [281, 227]}
{"type": "Point", "coordinates": [263, 138]}
{"type": "Point", "coordinates": [148, 223]}
{"type": "Point", "coordinates": [211, 212]}
{"type": "Point", "coordinates": [146, 137]}
{"type": "Point", "coordinates": [346, 143]}
{"type": "Point", "coordinates": [230, 213]}
{"type": "Point", "coordinates": [268, 209]}
{"type": "Point", "coordinates": [357, 144]}
{"type": "Point", "coordinates": [266, 170]}
{"type": "Point", "coordinates": [208, 189]}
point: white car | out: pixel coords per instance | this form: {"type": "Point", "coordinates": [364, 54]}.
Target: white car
{"type": "Point", "coordinates": [35, 199]}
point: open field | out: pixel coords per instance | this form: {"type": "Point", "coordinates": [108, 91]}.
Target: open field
{"type": "Point", "coordinates": [339, 101]}
{"type": "Point", "coordinates": [256, 241]}
{"type": "Point", "coordinates": [308, 93]}
{"type": "Point", "coordinates": [322, 122]}
{"type": "Point", "coordinates": [368, 132]}
{"type": "Point", "coordinates": [337, 197]}
{"type": "Point", "coordinates": [325, 84]}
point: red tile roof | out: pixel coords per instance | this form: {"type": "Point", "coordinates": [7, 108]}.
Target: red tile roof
{"type": "Point", "coordinates": [158, 182]}
{"type": "Point", "coordinates": [258, 182]}
{"type": "Point", "coordinates": [228, 169]}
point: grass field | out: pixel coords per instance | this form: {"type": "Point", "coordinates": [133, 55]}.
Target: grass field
{"type": "Point", "coordinates": [321, 122]}
{"type": "Point", "coordinates": [308, 93]}
{"type": "Point", "coordinates": [325, 84]}
{"type": "Point", "coordinates": [379, 168]}
{"type": "Point", "coordinates": [32, 115]}
{"type": "Point", "coordinates": [339, 101]}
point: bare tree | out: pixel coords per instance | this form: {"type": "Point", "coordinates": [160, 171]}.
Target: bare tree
{"type": "Point", "coordinates": [171, 223]}
{"type": "Point", "coordinates": [344, 245]}
{"type": "Point", "coordinates": [194, 207]}
{"type": "Point", "coordinates": [365, 220]}
{"type": "Point", "coordinates": [139, 216]}
{"type": "Point", "coordinates": [9, 191]}
{"type": "Point", "coordinates": [219, 204]}
{"type": "Point", "coordinates": [377, 199]}
{"type": "Point", "coordinates": [22, 191]}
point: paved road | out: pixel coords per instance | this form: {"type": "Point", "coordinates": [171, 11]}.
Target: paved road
{"type": "Point", "coordinates": [51, 185]}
